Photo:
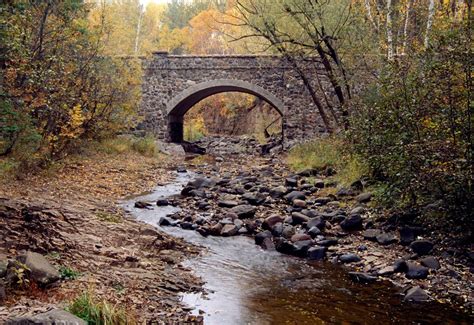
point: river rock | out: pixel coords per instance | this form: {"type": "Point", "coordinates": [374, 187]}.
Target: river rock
{"type": "Point", "coordinates": [388, 270]}
{"type": "Point", "coordinates": [55, 316]}
{"type": "Point", "coordinates": [416, 294]}
{"type": "Point", "coordinates": [278, 192]}
{"type": "Point", "coordinates": [353, 222]}
{"type": "Point", "coordinates": [271, 221]}
{"type": "Point", "coordinates": [293, 195]}
{"type": "Point", "coordinates": [416, 271]}
{"type": "Point", "coordinates": [260, 237]}
{"type": "Point", "coordinates": [301, 247]}
{"type": "Point", "coordinates": [40, 270]}
{"type": "Point", "coordinates": [430, 262]}
{"type": "Point", "coordinates": [323, 200]}
{"type": "Point", "coordinates": [357, 186]}
{"type": "Point", "coordinates": [299, 218]}
{"type": "Point", "coordinates": [407, 235]}
{"type": "Point", "coordinates": [254, 199]}
{"type": "Point", "coordinates": [186, 225]}
{"type": "Point", "coordinates": [327, 242]}
{"type": "Point", "coordinates": [165, 221]}
{"type": "Point", "coordinates": [299, 203]}
{"type": "Point", "coordinates": [349, 258]}
{"type": "Point", "coordinates": [268, 244]}
{"type": "Point", "coordinates": [203, 231]}
{"type": "Point", "coordinates": [216, 229]}
{"type": "Point", "coordinates": [142, 205]}
{"type": "Point", "coordinates": [316, 253]}
{"type": "Point", "coordinates": [291, 182]}
{"type": "Point", "coordinates": [400, 266]}
{"type": "Point", "coordinates": [316, 222]}
{"type": "Point", "coordinates": [314, 231]}
{"type": "Point", "coordinates": [3, 292]}
{"type": "Point", "coordinates": [288, 231]}
{"type": "Point", "coordinates": [386, 239]}
{"type": "Point", "coordinates": [162, 202]}
{"type": "Point", "coordinates": [422, 247]}
{"type": "Point", "coordinates": [244, 211]}
{"type": "Point", "coordinates": [227, 203]}
{"type": "Point", "coordinates": [361, 277]}
{"type": "Point", "coordinates": [300, 237]}
{"type": "Point", "coordinates": [229, 230]}
{"type": "Point", "coordinates": [285, 247]}
{"type": "Point", "coordinates": [357, 210]}
{"type": "Point", "coordinates": [371, 234]}
{"type": "Point", "coordinates": [364, 197]}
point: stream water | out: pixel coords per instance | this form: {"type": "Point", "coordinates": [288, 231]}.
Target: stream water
{"type": "Point", "coordinates": [248, 285]}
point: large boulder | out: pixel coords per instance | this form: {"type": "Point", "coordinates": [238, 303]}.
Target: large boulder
{"type": "Point", "coordinates": [40, 270]}
{"type": "Point", "coordinates": [53, 317]}
{"type": "Point", "coordinates": [244, 211]}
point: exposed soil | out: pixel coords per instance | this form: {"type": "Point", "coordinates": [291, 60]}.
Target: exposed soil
{"type": "Point", "coordinates": [71, 216]}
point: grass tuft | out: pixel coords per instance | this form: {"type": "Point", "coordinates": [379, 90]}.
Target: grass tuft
{"type": "Point", "coordinates": [98, 312]}
{"type": "Point", "coordinates": [320, 154]}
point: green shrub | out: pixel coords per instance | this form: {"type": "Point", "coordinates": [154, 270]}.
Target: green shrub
{"type": "Point", "coordinates": [67, 273]}
{"type": "Point", "coordinates": [328, 152]}
{"type": "Point", "coordinates": [98, 313]}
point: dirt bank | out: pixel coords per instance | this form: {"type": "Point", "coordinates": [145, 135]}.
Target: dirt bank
{"type": "Point", "coordinates": [70, 215]}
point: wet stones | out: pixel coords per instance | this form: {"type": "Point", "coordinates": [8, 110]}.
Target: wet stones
{"type": "Point", "coordinates": [385, 239]}
{"type": "Point", "coordinates": [291, 182]}
{"type": "Point", "coordinates": [316, 222]}
{"type": "Point", "coordinates": [300, 237]}
{"type": "Point", "coordinates": [142, 205]}
{"type": "Point", "coordinates": [227, 203]}
{"type": "Point", "coordinates": [430, 262]}
{"type": "Point", "coordinates": [298, 218]}
{"type": "Point", "coordinates": [314, 231]}
{"type": "Point", "coordinates": [271, 221]}
{"type": "Point", "coordinates": [349, 258]}
{"type": "Point", "coordinates": [55, 316]}
{"type": "Point", "coordinates": [243, 211]}
{"type": "Point", "coordinates": [361, 277]}
{"type": "Point", "coordinates": [316, 253]}
{"type": "Point", "coordinates": [229, 230]}
{"type": "Point", "coordinates": [261, 236]}
{"type": "Point", "coordinates": [422, 247]}
{"type": "Point", "coordinates": [293, 195]}
{"type": "Point", "coordinates": [278, 192]}
{"type": "Point", "coordinates": [416, 271]}
{"type": "Point", "coordinates": [416, 294]}
{"type": "Point", "coordinates": [352, 222]}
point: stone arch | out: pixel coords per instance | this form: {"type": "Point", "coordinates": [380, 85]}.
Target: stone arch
{"type": "Point", "coordinates": [180, 104]}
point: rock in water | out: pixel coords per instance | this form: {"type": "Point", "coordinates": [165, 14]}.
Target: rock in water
{"type": "Point", "coordinates": [416, 294]}
{"type": "Point", "coordinates": [260, 237]}
{"type": "Point", "coordinates": [229, 230]}
{"type": "Point", "coordinates": [361, 277]}
{"type": "Point", "coordinates": [55, 316]}
{"type": "Point", "coordinates": [40, 270]}
{"type": "Point", "coordinates": [316, 253]}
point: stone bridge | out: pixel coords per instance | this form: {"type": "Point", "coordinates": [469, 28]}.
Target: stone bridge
{"type": "Point", "coordinates": [173, 84]}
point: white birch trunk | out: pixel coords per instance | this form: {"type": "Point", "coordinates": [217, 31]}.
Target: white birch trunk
{"type": "Point", "coordinates": [429, 22]}
{"type": "Point", "coordinates": [139, 26]}
{"type": "Point", "coordinates": [390, 48]}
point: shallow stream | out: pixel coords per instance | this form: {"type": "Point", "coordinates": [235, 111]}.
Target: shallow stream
{"type": "Point", "coordinates": [248, 285]}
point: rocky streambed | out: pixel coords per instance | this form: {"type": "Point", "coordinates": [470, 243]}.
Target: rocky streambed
{"type": "Point", "coordinates": [301, 249]}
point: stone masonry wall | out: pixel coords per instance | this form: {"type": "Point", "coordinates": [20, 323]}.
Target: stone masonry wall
{"type": "Point", "coordinates": [167, 76]}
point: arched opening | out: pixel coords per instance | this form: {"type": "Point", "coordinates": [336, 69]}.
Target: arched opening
{"type": "Point", "coordinates": [182, 103]}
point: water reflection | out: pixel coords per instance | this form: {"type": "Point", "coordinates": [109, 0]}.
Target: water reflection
{"type": "Point", "coordinates": [248, 285]}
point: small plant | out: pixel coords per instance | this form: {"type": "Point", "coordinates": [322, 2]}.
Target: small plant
{"type": "Point", "coordinates": [98, 312]}
{"type": "Point", "coordinates": [109, 217]}
{"type": "Point", "coordinates": [68, 274]}
{"type": "Point", "coordinates": [21, 274]}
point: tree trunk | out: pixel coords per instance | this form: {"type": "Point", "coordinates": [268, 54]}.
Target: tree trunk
{"type": "Point", "coordinates": [390, 47]}
{"type": "Point", "coordinates": [429, 22]}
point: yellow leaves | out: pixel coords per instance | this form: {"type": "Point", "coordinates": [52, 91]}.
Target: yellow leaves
{"type": "Point", "coordinates": [73, 128]}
